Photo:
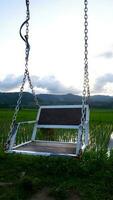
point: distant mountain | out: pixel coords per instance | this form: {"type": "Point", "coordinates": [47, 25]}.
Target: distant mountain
{"type": "Point", "coordinates": [101, 98]}
{"type": "Point", "coordinates": [101, 101]}
{"type": "Point", "coordinates": [46, 99]}
{"type": "Point", "coordinates": [8, 100]}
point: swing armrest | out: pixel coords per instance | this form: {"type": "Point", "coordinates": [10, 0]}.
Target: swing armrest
{"type": "Point", "coordinates": [26, 122]}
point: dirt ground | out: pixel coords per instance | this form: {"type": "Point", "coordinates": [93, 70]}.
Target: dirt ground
{"type": "Point", "coordinates": [44, 195]}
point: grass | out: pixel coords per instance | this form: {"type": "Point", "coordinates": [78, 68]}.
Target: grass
{"type": "Point", "coordinates": [101, 115]}
{"type": "Point", "coordinates": [91, 177]}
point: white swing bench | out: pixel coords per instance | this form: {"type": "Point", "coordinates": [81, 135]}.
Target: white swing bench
{"type": "Point", "coordinates": [54, 117]}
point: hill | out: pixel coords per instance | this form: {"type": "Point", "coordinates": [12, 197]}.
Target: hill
{"type": "Point", "coordinates": [8, 100]}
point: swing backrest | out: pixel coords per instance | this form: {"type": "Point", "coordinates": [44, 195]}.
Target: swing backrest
{"type": "Point", "coordinates": [65, 116]}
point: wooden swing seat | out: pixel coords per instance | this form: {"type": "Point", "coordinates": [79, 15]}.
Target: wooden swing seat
{"type": "Point", "coordinates": [52, 117]}
{"type": "Point", "coordinates": [51, 148]}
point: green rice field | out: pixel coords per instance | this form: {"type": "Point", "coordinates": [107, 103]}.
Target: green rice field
{"type": "Point", "coordinates": [101, 127]}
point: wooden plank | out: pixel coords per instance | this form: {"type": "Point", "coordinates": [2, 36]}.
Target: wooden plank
{"type": "Point", "coordinates": [60, 116]}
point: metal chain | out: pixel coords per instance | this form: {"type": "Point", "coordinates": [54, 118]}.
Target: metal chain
{"type": "Point", "coordinates": [86, 89]}
{"type": "Point", "coordinates": [26, 74]}
{"type": "Point", "coordinates": [27, 49]}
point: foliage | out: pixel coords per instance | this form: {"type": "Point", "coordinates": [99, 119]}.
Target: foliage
{"type": "Point", "coordinates": [91, 177]}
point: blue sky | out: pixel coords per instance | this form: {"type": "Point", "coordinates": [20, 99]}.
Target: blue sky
{"type": "Point", "coordinates": [57, 46]}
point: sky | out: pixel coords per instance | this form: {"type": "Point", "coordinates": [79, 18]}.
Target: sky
{"type": "Point", "coordinates": [56, 37]}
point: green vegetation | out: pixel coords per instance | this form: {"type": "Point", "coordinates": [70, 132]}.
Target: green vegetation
{"type": "Point", "coordinates": [90, 177]}
{"type": "Point", "coordinates": [101, 115]}
{"type": "Point", "coordinates": [5, 121]}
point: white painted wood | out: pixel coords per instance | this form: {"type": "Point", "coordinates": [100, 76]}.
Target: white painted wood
{"type": "Point", "coordinates": [35, 126]}
{"type": "Point", "coordinates": [110, 145]}
{"type": "Point", "coordinates": [27, 122]}
{"type": "Point", "coordinates": [78, 146]}
{"type": "Point", "coordinates": [87, 113]}
{"type": "Point", "coordinates": [41, 153]}
{"type": "Point", "coordinates": [63, 106]}
{"type": "Point", "coordinates": [58, 126]}
{"type": "Point", "coordinates": [22, 144]}
{"type": "Point", "coordinates": [86, 133]}
{"type": "Point", "coordinates": [13, 138]}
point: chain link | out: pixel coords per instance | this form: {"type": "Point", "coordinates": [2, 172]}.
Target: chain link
{"type": "Point", "coordinates": [86, 89]}
{"type": "Point", "coordinates": [26, 76]}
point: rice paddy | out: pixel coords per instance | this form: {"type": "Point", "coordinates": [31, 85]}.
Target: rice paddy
{"type": "Point", "coordinates": [101, 127]}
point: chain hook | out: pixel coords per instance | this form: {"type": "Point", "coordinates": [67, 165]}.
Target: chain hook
{"type": "Point", "coordinates": [26, 22]}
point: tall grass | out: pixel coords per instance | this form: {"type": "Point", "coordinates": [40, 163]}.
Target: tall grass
{"type": "Point", "coordinates": [62, 135]}
{"type": "Point", "coordinates": [100, 135]}
{"type": "Point", "coordinates": [101, 127]}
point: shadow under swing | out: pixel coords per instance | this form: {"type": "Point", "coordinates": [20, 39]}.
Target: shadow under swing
{"type": "Point", "coordinates": [63, 117]}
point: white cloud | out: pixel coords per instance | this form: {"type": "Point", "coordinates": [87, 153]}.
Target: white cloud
{"type": "Point", "coordinates": [102, 82]}
{"type": "Point", "coordinates": [10, 82]}
{"type": "Point", "coordinates": [107, 55]}
{"type": "Point", "coordinates": [46, 84]}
